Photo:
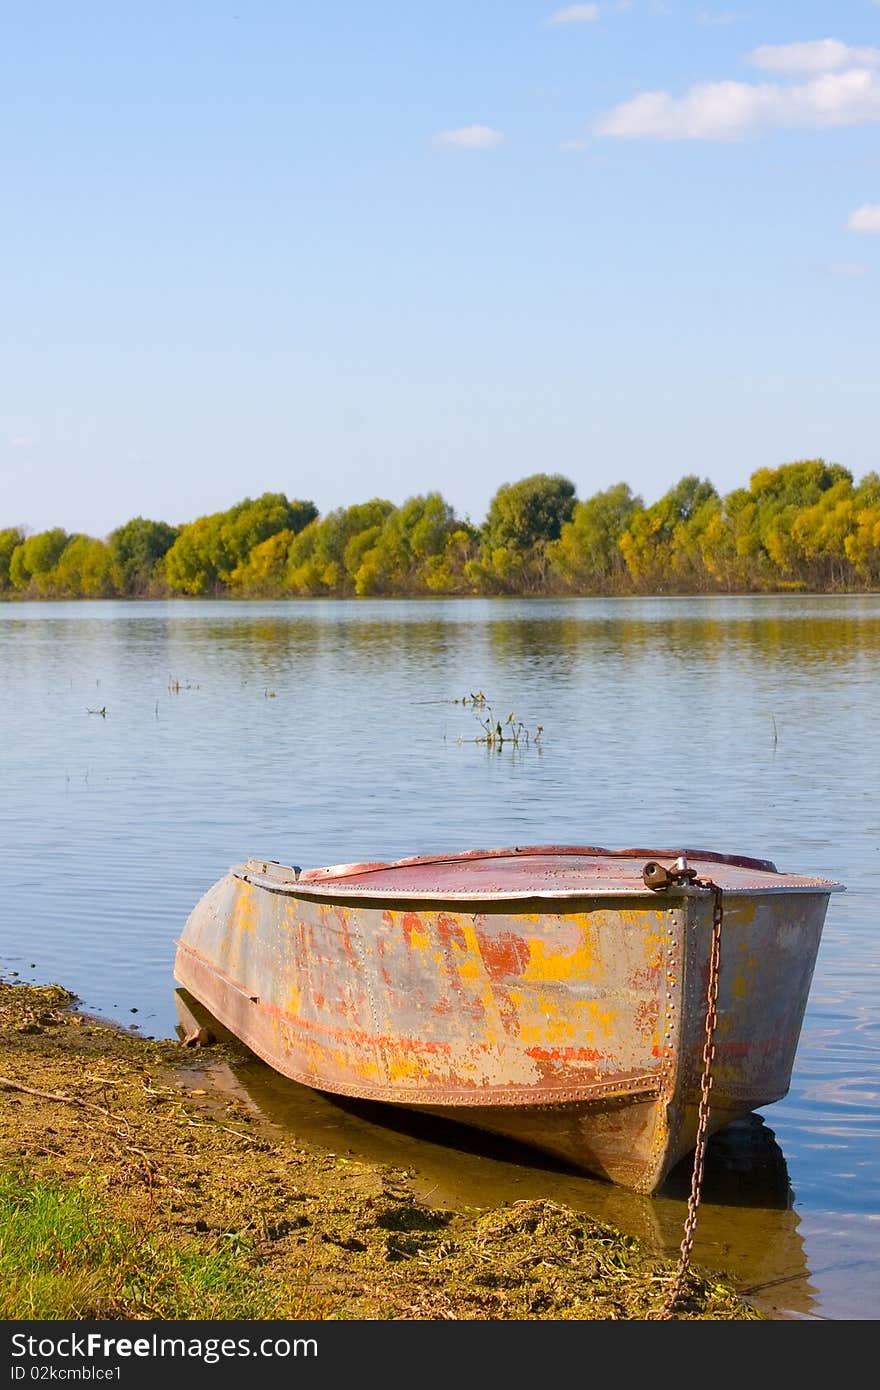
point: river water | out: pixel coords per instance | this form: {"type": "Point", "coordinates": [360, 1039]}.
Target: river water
{"type": "Point", "coordinates": [147, 746]}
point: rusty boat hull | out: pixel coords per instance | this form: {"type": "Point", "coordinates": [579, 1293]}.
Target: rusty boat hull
{"type": "Point", "coordinates": [546, 994]}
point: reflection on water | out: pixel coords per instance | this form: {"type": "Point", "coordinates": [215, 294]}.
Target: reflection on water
{"type": "Point", "coordinates": [746, 1223]}
{"type": "Point", "coordinates": [319, 732]}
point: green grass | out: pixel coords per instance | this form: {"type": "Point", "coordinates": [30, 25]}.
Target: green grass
{"type": "Point", "coordinates": [69, 1252]}
{"type": "Point", "coordinates": [65, 1254]}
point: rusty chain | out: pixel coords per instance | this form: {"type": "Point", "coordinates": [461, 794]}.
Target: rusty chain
{"type": "Point", "coordinates": [690, 1224]}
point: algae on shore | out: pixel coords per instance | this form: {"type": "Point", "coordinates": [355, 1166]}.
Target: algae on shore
{"type": "Point", "coordinates": [128, 1192]}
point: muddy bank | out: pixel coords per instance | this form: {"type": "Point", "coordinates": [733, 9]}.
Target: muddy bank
{"type": "Point", "coordinates": [192, 1186]}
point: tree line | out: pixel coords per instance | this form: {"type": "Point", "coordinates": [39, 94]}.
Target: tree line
{"type": "Point", "coordinates": [805, 526]}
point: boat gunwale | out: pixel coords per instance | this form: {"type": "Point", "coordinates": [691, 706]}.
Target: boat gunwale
{"type": "Point", "coordinates": [365, 897]}
{"type": "Point", "coordinates": [337, 871]}
{"type": "Point", "coordinates": [334, 880]}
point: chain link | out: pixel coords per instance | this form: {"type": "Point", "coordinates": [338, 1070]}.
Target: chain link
{"type": "Point", "coordinates": [690, 1224]}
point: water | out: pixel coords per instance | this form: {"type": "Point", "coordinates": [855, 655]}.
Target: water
{"type": "Point", "coordinates": [320, 732]}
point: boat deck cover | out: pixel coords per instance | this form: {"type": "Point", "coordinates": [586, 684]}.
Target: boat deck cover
{"type": "Point", "coordinates": [555, 871]}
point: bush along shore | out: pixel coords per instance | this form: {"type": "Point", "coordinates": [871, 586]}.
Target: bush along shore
{"type": "Point", "coordinates": [128, 1192]}
{"type": "Point", "coordinates": [807, 526]}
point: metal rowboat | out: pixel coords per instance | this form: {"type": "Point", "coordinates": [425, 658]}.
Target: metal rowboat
{"type": "Point", "coordinates": [556, 995]}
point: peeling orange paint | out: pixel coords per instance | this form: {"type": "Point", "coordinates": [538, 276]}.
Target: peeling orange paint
{"type": "Point", "coordinates": [503, 954]}
{"type": "Point", "coordinates": [567, 1054]}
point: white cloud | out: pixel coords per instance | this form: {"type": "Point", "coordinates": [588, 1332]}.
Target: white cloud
{"type": "Point", "coordinates": [470, 137]}
{"type": "Point", "coordinates": [575, 14]}
{"type": "Point", "coordinates": [23, 441]}
{"type": "Point", "coordinates": [728, 110]}
{"type": "Point", "coordinates": [721, 17]}
{"type": "Point", "coordinates": [819, 55]}
{"type": "Point", "coordinates": [848, 270]}
{"type": "Point", "coordinates": [865, 219]}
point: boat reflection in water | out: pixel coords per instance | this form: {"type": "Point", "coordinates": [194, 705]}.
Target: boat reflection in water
{"type": "Point", "coordinates": [747, 1228]}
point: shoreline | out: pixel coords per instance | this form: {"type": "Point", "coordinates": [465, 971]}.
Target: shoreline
{"type": "Point", "coordinates": [789, 591]}
{"type": "Point", "coordinates": [196, 1207]}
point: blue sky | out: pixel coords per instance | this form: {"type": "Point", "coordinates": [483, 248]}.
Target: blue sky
{"type": "Point", "coordinates": [346, 250]}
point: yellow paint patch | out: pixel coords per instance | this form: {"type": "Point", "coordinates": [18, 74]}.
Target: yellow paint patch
{"type": "Point", "coordinates": [581, 1022]}
{"type": "Point", "coordinates": [363, 1064]}
{"type": "Point", "coordinates": [549, 963]}
{"type": "Point", "coordinates": [742, 912]}
{"type": "Point", "coordinates": [472, 970]}
{"type": "Point", "coordinates": [552, 1031]}
{"type": "Point", "coordinates": [245, 912]}
{"type": "Point", "coordinates": [747, 966]}
{"type": "Point", "coordinates": [407, 1066]}
{"type": "Point", "coordinates": [419, 940]}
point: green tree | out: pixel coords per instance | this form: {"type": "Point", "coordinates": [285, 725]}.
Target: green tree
{"type": "Point", "coordinates": [523, 519]}
{"type": "Point", "coordinates": [529, 512]}
{"type": "Point", "coordinates": [449, 573]}
{"type": "Point", "coordinates": [658, 544]}
{"type": "Point", "coordinates": [208, 550]}
{"type": "Point", "coordinates": [249, 523]}
{"type": "Point", "coordinates": [10, 540]}
{"type": "Point", "coordinates": [862, 545]}
{"type": "Point", "coordinates": [802, 524]}
{"type": "Point", "coordinates": [32, 562]}
{"type": "Point", "coordinates": [317, 562]}
{"type": "Point", "coordinates": [136, 549]}
{"type": "Point", "coordinates": [780, 495]}
{"type": "Point", "coordinates": [587, 557]}
{"type": "Point", "coordinates": [262, 573]}
{"type": "Point", "coordinates": [818, 538]}
{"type": "Point", "coordinates": [84, 570]}
{"type": "Point", "coordinates": [405, 548]}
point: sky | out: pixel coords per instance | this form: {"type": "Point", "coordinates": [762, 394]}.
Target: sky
{"type": "Point", "coordinates": [349, 250]}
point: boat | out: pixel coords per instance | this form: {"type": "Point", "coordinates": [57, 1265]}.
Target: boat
{"type": "Point", "coordinates": [612, 1008]}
